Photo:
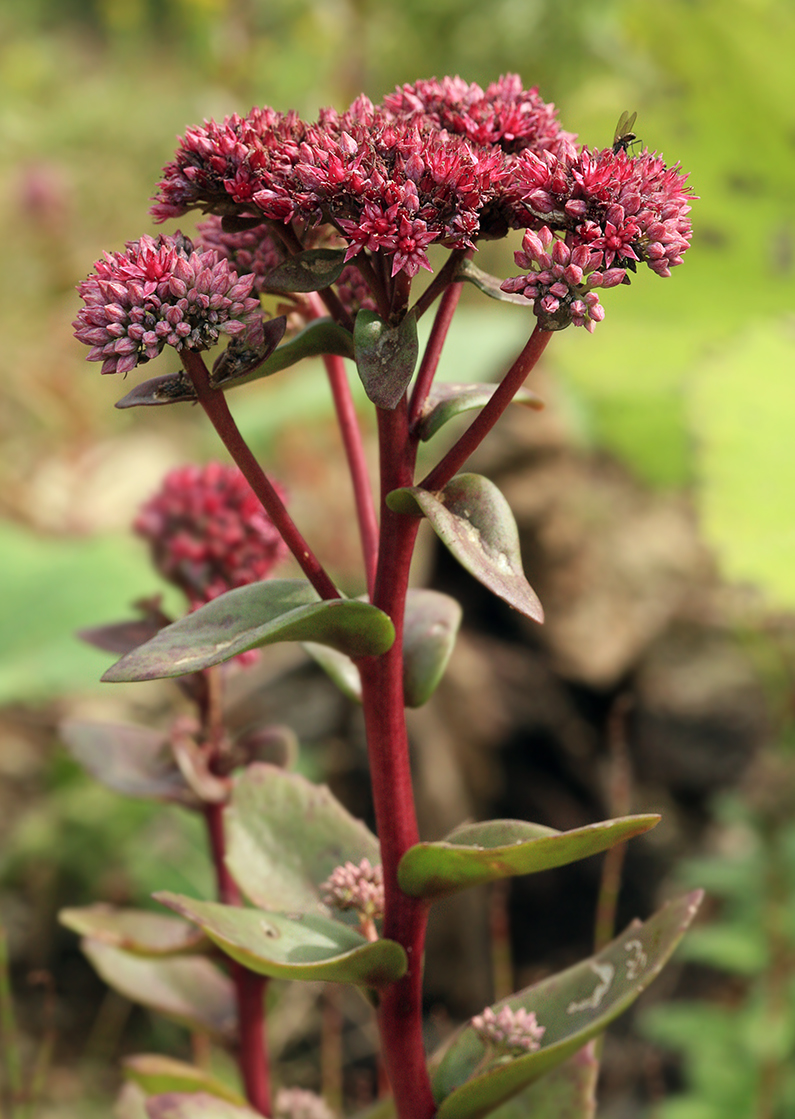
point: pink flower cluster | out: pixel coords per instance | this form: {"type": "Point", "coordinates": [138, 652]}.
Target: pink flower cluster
{"type": "Point", "coordinates": [208, 532]}
{"type": "Point", "coordinates": [514, 1031]}
{"type": "Point", "coordinates": [297, 1103]}
{"type": "Point", "coordinates": [158, 293]}
{"type": "Point", "coordinates": [356, 887]}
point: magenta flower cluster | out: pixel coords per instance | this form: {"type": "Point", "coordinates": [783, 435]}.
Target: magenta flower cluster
{"type": "Point", "coordinates": [208, 532]}
{"type": "Point", "coordinates": [513, 1031]}
{"type": "Point", "coordinates": [359, 887]}
{"type": "Point", "coordinates": [161, 292]}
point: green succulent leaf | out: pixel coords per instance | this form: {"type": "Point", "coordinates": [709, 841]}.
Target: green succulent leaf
{"type": "Point", "coordinates": [156, 1074]}
{"type": "Point", "coordinates": [135, 930]}
{"type": "Point", "coordinates": [135, 761]}
{"type": "Point", "coordinates": [573, 1006]}
{"type": "Point", "coordinates": [188, 989]}
{"type": "Point", "coordinates": [195, 1105]}
{"type": "Point", "coordinates": [474, 521]}
{"type": "Point", "coordinates": [385, 356]}
{"type": "Point", "coordinates": [312, 270]}
{"type": "Point", "coordinates": [447, 400]}
{"type": "Point", "coordinates": [488, 284]}
{"type": "Point", "coordinates": [285, 835]}
{"type": "Point", "coordinates": [298, 946]}
{"type": "Point", "coordinates": [566, 1092]}
{"type": "Point", "coordinates": [477, 853]}
{"type": "Point", "coordinates": [250, 617]}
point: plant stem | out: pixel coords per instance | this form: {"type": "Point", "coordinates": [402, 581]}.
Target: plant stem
{"type": "Point", "coordinates": [433, 351]}
{"type": "Point", "coordinates": [400, 1009]}
{"type": "Point", "coordinates": [214, 404]}
{"type": "Point", "coordinates": [491, 412]}
{"type": "Point", "coordinates": [249, 987]}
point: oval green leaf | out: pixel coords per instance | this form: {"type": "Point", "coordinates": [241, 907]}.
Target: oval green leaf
{"type": "Point", "coordinates": [478, 853]}
{"type": "Point", "coordinates": [566, 1092]}
{"type": "Point", "coordinates": [188, 989]}
{"type": "Point", "coordinates": [385, 356]}
{"type": "Point", "coordinates": [446, 400]}
{"type": "Point", "coordinates": [241, 358]}
{"type": "Point", "coordinates": [250, 617]}
{"type": "Point", "coordinates": [135, 930]}
{"type": "Point", "coordinates": [573, 1006]}
{"type": "Point", "coordinates": [298, 946]}
{"type": "Point", "coordinates": [168, 388]}
{"type": "Point", "coordinates": [196, 1105]}
{"type": "Point", "coordinates": [474, 521]}
{"type": "Point", "coordinates": [157, 1074]}
{"type": "Point", "coordinates": [135, 761]}
{"type": "Point", "coordinates": [285, 835]}
{"type": "Point", "coordinates": [312, 270]}
{"type": "Point", "coordinates": [430, 629]}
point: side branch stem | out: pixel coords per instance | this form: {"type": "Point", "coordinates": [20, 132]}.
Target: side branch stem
{"type": "Point", "coordinates": [491, 412]}
{"type": "Point", "coordinates": [214, 404]}
{"type": "Point", "coordinates": [433, 351]}
{"type": "Point", "coordinates": [400, 1009]}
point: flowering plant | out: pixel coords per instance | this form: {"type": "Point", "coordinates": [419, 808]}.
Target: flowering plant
{"type": "Point", "coordinates": [336, 219]}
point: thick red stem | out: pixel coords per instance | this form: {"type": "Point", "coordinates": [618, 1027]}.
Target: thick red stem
{"type": "Point", "coordinates": [214, 404]}
{"type": "Point", "coordinates": [433, 351]}
{"type": "Point", "coordinates": [400, 1008]}
{"type": "Point", "coordinates": [491, 412]}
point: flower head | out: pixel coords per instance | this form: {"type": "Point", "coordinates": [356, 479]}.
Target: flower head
{"type": "Point", "coordinates": [359, 887]}
{"type": "Point", "coordinates": [208, 532]}
{"type": "Point", "coordinates": [512, 1031]}
{"type": "Point", "coordinates": [158, 293]}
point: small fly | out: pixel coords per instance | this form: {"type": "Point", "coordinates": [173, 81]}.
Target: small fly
{"type": "Point", "coordinates": [625, 137]}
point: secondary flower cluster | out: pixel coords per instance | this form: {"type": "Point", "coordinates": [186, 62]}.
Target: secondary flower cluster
{"type": "Point", "coordinates": [161, 292]}
{"type": "Point", "coordinates": [514, 1031]}
{"type": "Point", "coordinates": [356, 887]}
{"type": "Point", "coordinates": [208, 532]}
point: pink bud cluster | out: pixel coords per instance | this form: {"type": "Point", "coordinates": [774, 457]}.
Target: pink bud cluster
{"type": "Point", "coordinates": [208, 532]}
{"type": "Point", "coordinates": [158, 293]}
{"type": "Point", "coordinates": [297, 1103]}
{"type": "Point", "coordinates": [359, 887]}
{"type": "Point", "coordinates": [515, 1031]}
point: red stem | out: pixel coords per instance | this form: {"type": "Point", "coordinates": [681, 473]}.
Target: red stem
{"type": "Point", "coordinates": [491, 412]}
{"type": "Point", "coordinates": [214, 404]}
{"type": "Point", "coordinates": [249, 987]}
{"type": "Point", "coordinates": [400, 1008]}
{"type": "Point", "coordinates": [433, 351]}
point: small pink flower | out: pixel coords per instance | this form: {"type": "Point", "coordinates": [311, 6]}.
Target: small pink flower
{"type": "Point", "coordinates": [158, 293]}
{"type": "Point", "coordinates": [208, 532]}
{"type": "Point", "coordinates": [512, 1031]}
{"type": "Point", "coordinates": [359, 887]}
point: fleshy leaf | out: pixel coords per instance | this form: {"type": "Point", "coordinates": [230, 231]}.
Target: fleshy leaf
{"type": "Point", "coordinates": [195, 1105]}
{"type": "Point", "coordinates": [430, 629]}
{"type": "Point", "coordinates": [573, 1006]}
{"type": "Point", "coordinates": [188, 989]}
{"type": "Point", "coordinates": [285, 835]}
{"type": "Point", "coordinates": [473, 519]}
{"type": "Point", "coordinates": [134, 930]}
{"type": "Point", "coordinates": [385, 356]}
{"type": "Point", "coordinates": [312, 270]}
{"type": "Point", "coordinates": [567, 1092]}
{"type": "Point", "coordinates": [240, 358]}
{"type": "Point", "coordinates": [168, 388]}
{"type": "Point", "coordinates": [298, 946]}
{"type": "Point", "coordinates": [250, 617]}
{"type": "Point", "coordinates": [135, 761]}
{"type": "Point", "coordinates": [478, 853]}
{"type": "Point", "coordinates": [157, 1075]}
{"type": "Point", "coordinates": [446, 400]}
{"type": "Point", "coordinates": [488, 284]}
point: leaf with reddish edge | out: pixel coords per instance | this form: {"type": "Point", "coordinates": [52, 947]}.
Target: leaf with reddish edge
{"type": "Point", "coordinates": [488, 284]}
{"type": "Point", "coordinates": [472, 518]}
{"type": "Point", "coordinates": [241, 359]}
{"type": "Point", "coordinates": [431, 623]}
{"type": "Point", "coordinates": [312, 270]}
{"type": "Point", "coordinates": [120, 637]}
{"type": "Point", "coordinates": [157, 1074]}
{"type": "Point", "coordinates": [196, 1105]}
{"type": "Point", "coordinates": [134, 761]}
{"type": "Point", "coordinates": [294, 946]}
{"type": "Point", "coordinates": [567, 1092]}
{"type": "Point", "coordinates": [135, 930]}
{"type": "Point", "coordinates": [385, 356]}
{"type": "Point", "coordinates": [188, 989]}
{"type": "Point", "coordinates": [285, 835]}
{"type": "Point", "coordinates": [446, 400]}
{"type": "Point", "coordinates": [478, 853]}
{"type": "Point", "coordinates": [253, 616]}
{"type": "Point", "coordinates": [168, 388]}
{"type": "Point", "coordinates": [572, 1006]}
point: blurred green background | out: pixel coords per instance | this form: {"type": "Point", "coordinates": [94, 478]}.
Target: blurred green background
{"type": "Point", "coordinates": [689, 382]}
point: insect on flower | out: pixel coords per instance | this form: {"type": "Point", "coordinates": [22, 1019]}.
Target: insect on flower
{"type": "Point", "coordinates": [624, 137]}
